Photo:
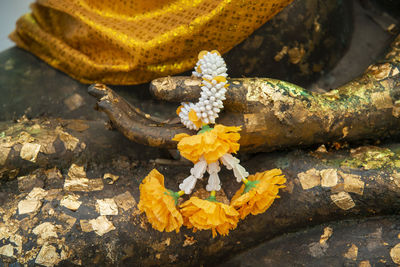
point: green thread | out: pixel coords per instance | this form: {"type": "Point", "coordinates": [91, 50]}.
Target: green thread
{"type": "Point", "coordinates": [174, 195]}
{"type": "Point", "coordinates": [205, 128]}
{"type": "Point", "coordinates": [250, 185]}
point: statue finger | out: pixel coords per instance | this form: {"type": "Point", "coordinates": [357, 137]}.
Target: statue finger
{"type": "Point", "coordinates": [132, 122]}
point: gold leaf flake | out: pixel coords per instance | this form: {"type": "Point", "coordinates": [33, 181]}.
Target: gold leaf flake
{"type": "Point", "coordinates": [352, 253]}
{"type": "Point", "coordinates": [329, 177]}
{"type": "Point", "coordinates": [395, 253]}
{"type": "Point", "coordinates": [71, 202]}
{"type": "Point", "coordinates": [352, 183]}
{"type": "Point", "coordinates": [45, 231]}
{"type": "Point", "coordinates": [161, 246]}
{"type": "Point", "coordinates": [24, 137]}
{"type": "Point", "coordinates": [382, 100]}
{"type": "Point", "coordinates": [125, 201]}
{"type": "Point", "coordinates": [37, 193]}
{"type": "Point", "coordinates": [28, 206]}
{"type": "Point", "coordinates": [328, 231]}
{"type": "Point", "coordinates": [101, 225]}
{"type": "Point", "coordinates": [17, 240]}
{"type": "Point", "coordinates": [68, 222]}
{"type": "Point", "coordinates": [4, 151]}
{"type": "Point", "coordinates": [309, 179]}
{"type": "Point", "coordinates": [345, 131]}
{"type": "Point", "coordinates": [296, 54]}
{"type": "Point", "coordinates": [83, 184]}
{"type": "Point", "coordinates": [321, 149]}
{"type": "Point", "coordinates": [70, 142]}
{"type": "Point", "coordinates": [7, 250]}
{"type": "Point", "coordinates": [106, 206]}
{"type": "Point", "coordinates": [189, 240]}
{"type": "Point", "coordinates": [29, 151]}
{"type": "Point", "coordinates": [86, 226]}
{"type": "Point", "coordinates": [46, 142]}
{"type": "Point", "coordinates": [53, 173]}
{"type": "Point", "coordinates": [48, 256]}
{"type": "Point", "coordinates": [364, 264]}
{"type": "Point", "coordinates": [53, 194]}
{"type": "Point", "coordinates": [343, 200]}
{"type": "Point", "coordinates": [110, 178]}
{"type": "Point", "coordinates": [79, 182]}
{"type": "Point", "coordinates": [76, 171]}
{"type": "Point", "coordinates": [396, 178]}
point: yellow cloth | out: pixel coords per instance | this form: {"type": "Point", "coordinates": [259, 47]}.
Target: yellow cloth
{"type": "Point", "coordinates": [130, 42]}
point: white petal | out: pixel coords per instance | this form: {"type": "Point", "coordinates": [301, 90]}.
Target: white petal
{"type": "Point", "coordinates": [213, 167]}
{"type": "Point", "coordinates": [239, 172]}
{"type": "Point", "coordinates": [188, 184]}
{"type": "Point", "coordinates": [214, 184]}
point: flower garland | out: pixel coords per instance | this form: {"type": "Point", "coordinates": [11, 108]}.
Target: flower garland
{"type": "Point", "coordinates": [207, 149]}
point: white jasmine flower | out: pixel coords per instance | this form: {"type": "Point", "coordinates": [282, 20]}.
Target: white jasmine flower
{"type": "Point", "coordinates": [232, 163]}
{"type": "Point", "coordinates": [214, 184]}
{"type": "Point", "coordinates": [197, 172]}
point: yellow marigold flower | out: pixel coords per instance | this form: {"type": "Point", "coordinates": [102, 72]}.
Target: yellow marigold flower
{"type": "Point", "coordinates": [211, 144]}
{"type": "Point", "coordinates": [202, 214]}
{"type": "Point", "coordinates": [159, 203]}
{"type": "Point", "coordinates": [258, 194]}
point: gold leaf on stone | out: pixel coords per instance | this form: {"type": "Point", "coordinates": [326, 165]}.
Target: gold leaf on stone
{"type": "Point", "coordinates": [71, 202]}
{"type": "Point", "coordinates": [329, 177]}
{"type": "Point", "coordinates": [45, 231]}
{"type": "Point", "coordinates": [351, 253]}
{"type": "Point", "coordinates": [83, 184]}
{"type": "Point", "coordinates": [53, 173]}
{"type": "Point", "coordinates": [76, 171]}
{"type": "Point", "coordinates": [46, 142]}
{"type": "Point", "coordinates": [110, 178]}
{"type": "Point", "coordinates": [364, 264]}
{"type": "Point", "coordinates": [4, 151]}
{"type": "Point", "coordinates": [48, 256]}
{"type": "Point", "coordinates": [24, 137]}
{"type": "Point", "coordinates": [328, 231]}
{"type": "Point", "coordinates": [395, 253]}
{"type": "Point", "coordinates": [7, 250]}
{"type": "Point", "coordinates": [70, 142]}
{"type": "Point", "coordinates": [17, 240]}
{"type": "Point", "coordinates": [37, 193]}
{"type": "Point", "coordinates": [86, 226]}
{"type": "Point", "coordinates": [125, 201]}
{"type": "Point", "coordinates": [67, 221]}
{"type": "Point", "coordinates": [309, 179]}
{"type": "Point", "coordinates": [29, 151]}
{"type": "Point", "coordinates": [189, 240]}
{"type": "Point", "coordinates": [106, 206]}
{"type": "Point", "coordinates": [101, 225]}
{"type": "Point", "coordinates": [382, 100]}
{"type": "Point", "coordinates": [352, 183]}
{"type": "Point", "coordinates": [28, 206]}
{"type": "Point", "coordinates": [343, 200]}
